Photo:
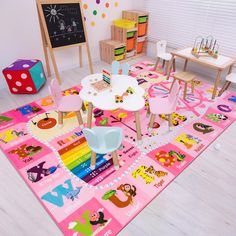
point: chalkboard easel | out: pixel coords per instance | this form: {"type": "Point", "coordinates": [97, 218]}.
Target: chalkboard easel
{"type": "Point", "coordinates": [62, 26]}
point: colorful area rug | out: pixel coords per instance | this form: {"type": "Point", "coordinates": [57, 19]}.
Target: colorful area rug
{"type": "Point", "coordinates": [55, 162]}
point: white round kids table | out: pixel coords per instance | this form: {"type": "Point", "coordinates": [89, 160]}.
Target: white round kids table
{"type": "Point", "coordinates": [105, 100]}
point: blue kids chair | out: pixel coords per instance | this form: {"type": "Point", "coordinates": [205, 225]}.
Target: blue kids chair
{"type": "Point", "coordinates": [125, 68]}
{"type": "Point", "coordinates": [115, 66]}
{"type": "Point", "coordinates": [103, 140]}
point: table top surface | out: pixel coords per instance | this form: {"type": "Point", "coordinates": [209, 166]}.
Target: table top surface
{"type": "Point", "coordinates": [221, 62]}
{"type": "Point", "coordinates": [105, 100]}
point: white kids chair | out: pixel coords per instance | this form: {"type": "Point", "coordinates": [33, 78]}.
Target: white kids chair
{"type": "Point", "coordinates": [162, 54]}
{"type": "Point", "coordinates": [230, 78]}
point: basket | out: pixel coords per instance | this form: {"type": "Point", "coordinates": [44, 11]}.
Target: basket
{"type": "Point", "coordinates": [130, 34]}
{"type": "Point", "coordinates": [140, 47]}
{"type": "Point", "coordinates": [120, 57]}
{"type": "Point", "coordinates": [142, 29]}
{"type": "Point", "coordinates": [119, 51]}
{"type": "Point", "coordinates": [142, 19]}
{"type": "Point", "coordinates": [127, 24]}
{"type": "Point", "coordinates": [130, 44]}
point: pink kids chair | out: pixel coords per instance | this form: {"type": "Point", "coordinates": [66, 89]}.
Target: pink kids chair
{"type": "Point", "coordinates": [164, 105]}
{"type": "Point", "coordinates": [70, 103]}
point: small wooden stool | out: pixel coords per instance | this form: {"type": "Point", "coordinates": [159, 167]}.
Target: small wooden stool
{"type": "Point", "coordinates": [185, 77]}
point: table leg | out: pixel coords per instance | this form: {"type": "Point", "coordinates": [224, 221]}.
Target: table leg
{"type": "Point", "coordinates": [138, 127]}
{"type": "Point", "coordinates": [185, 89]}
{"type": "Point", "coordinates": [230, 69]}
{"type": "Point", "coordinates": [89, 118]}
{"type": "Point", "coordinates": [216, 84]}
{"type": "Point", "coordinates": [163, 63]}
{"type": "Point", "coordinates": [185, 64]}
{"type": "Point", "coordinates": [170, 65]}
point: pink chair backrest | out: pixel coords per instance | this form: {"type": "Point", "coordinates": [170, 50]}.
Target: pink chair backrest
{"type": "Point", "coordinates": [174, 95]}
{"type": "Point", "coordinates": [161, 47]}
{"type": "Point", "coordinates": [55, 91]}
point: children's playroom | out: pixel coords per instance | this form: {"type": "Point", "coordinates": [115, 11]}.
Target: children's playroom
{"type": "Point", "coordinates": [118, 118]}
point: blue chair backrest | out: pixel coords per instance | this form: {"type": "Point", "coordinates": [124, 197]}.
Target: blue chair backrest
{"type": "Point", "coordinates": [91, 138]}
{"type": "Point", "coordinates": [113, 138]}
{"type": "Point", "coordinates": [125, 69]}
{"type": "Point", "coordinates": [115, 66]}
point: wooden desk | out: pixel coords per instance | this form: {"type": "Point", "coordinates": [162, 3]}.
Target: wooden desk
{"type": "Point", "coordinates": [219, 64]}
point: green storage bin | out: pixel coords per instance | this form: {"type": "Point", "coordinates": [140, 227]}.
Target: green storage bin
{"type": "Point", "coordinates": [119, 51]}
{"type": "Point", "coordinates": [130, 34]}
{"type": "Point", "coordinates": [142, 19]}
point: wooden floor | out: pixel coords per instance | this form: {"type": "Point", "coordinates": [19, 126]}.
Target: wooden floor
{"type": "Point", "coordinates": [199, 202]}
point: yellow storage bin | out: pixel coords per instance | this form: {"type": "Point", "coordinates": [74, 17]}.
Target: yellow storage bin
{"type": "Point", "coordinates": [120, 57]}
{"type": "Point", "coordinates": [127, 24]}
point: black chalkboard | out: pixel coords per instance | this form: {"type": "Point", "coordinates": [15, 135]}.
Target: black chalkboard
{"type": "Point", "coordinates": [64, 23]}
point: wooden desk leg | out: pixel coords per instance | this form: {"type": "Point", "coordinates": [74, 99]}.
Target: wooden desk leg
{"type": "Point", "coordinates": [93, 160]}
{"type": "Point", "coordinates": [89, 118]}
{"type": "Point", "coordinates": [185, 64]}
{"type": "Point", "coordinates": [138, 127]}
{"type": "Point", "coordinates": [170, 65]}
{"type": "Point", "coordinates": [216, 84]}
{"type": "Point", "coordinates": [115, 160]}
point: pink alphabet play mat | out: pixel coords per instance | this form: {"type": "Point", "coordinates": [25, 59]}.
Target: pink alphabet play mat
{"type": "Point", "coordinates": [55, 163]}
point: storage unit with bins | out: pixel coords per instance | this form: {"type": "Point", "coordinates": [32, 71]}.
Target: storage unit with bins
{"type": "Point", "coordinates": [131, 32]}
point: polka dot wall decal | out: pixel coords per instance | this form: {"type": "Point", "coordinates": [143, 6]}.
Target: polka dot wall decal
{"type": "Point", "coordinates": [9, 76]}
{"type": "Point", "coordinates": [85, 6]}
{"type": "Point", "coordinates": [95, 12]}
{"type": "Point", "coordinates": [29, 89]}
{"type": "Point", "coordinates": [92, 23]}
{"type": "Point", "coordinates": [15, 89]}
{"type": "Point", "coordinates": [107, 4]}
{"type": "Point", "coordinates": [103, 15]}
{"type": "Point", "coordinates": [98, 1]}
{"type": "Point", "coordinates": [23, 76]}
{"type": "Point", "coordinates": [116, 4]}
{"type": "Point", "coordinates": [25, 65]}
{"type": "Point", "coordinates": [18, 83]}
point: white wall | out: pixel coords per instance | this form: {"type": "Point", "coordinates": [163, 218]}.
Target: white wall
{"type": "Point", "coordinates": [20, 34]}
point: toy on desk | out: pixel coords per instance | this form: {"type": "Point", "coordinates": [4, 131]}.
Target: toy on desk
{"type": "Point", "coordinates": [120, 99]}
{"type": "Point", "coordinates": [205, 47]}
{"type": "Point", "coordinates": [106, 76]}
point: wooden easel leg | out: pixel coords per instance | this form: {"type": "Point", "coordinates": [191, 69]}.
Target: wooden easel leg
{"type": "Point", "coordinates": [80, 120]}
{"type": "Point", "coordinates": [115, 160]}
{"type": "Point", "coordinates": [138, 127]}
{"type": "Point", "coordinates": [89, 118]}
{"type": "Point", "coordinates": [93, 160]}
{"type": "Point", "coordinates": [185, 64]}
{"type": "Point", "coordinates": [89, 59]}
{"type": "Point", "coordinates": [80, 56]}
{"type": "Point", "coordinates": [55, 65]}
{"type": "Point", "coordinates": [216, 84]}
{"type": "Point", "coordinates": [47, 61]}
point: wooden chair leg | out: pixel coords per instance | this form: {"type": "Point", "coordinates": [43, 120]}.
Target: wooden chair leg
{"type": "Point", "coordinates": [83, 108]}
{"type": "Point", "coordinates": [174, 66]}
{"type": "Point", "coordinates": [157, 61]}
{"type": "Point", "coordinates": [185, 65]}
{"type": "Point", "coordinates": [192, 86]}
{"type": "Point", "coordinates": [152, 120]}
{"type": "Point", "coordinates": [138, 127]}
{"type": "Point", "coordinates": [115, 160]}
{"type": "Point", "coordinates": [172, 84]}
{"type": "Point", "coordinates": [79, 117]}
{"type": "Point", "coordinates": [185, 89]}
{"type": "Point", "coordinates": [163, 63]}
{"type": "Point", "coordinates": [167, 67]}
{"type": "Point", "coordinates": [93, 160]}
{"type": "Point", "coordinates": [60, 118]}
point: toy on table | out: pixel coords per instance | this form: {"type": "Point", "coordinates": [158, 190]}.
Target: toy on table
{"type": "Point", "coordinates": [25, 76]}
{"type": "Point", "coordinates": [120, 99]}
{"type": "Point", "coordinates": [205, 47]}
{"type": "Point", "coordinates": [103, 84]}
